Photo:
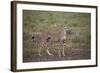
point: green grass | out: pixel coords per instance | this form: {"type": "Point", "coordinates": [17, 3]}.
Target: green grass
{"type": "Point", "coordinates": [36, 21]}
{"type": "Point", "coordinates": [43, 21]}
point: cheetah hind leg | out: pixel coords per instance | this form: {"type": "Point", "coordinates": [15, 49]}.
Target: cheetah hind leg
{"type": "Point", "coordinates": [63, 51]}
{"type": "Point", "coordinates": [48, 52]}
{"type": "Point", "coordinates": [39, 52]}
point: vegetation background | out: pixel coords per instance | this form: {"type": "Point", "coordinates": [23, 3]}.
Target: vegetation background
{"type": "Point", "coordinates": [78, 44]}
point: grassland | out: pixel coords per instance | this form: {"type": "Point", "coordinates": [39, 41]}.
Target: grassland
{"type": "Point", "coordinates": [77, 44]}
